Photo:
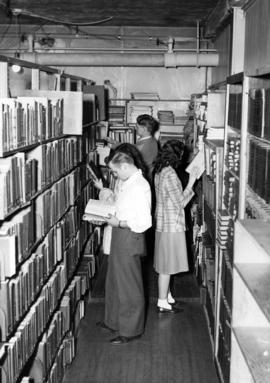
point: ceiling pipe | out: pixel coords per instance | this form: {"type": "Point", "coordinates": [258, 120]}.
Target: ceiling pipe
{"type": "Point", "coordinates": [168, 60]}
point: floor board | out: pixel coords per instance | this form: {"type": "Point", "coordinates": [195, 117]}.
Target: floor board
{"type": "Point", "coordinates": [173, 349]}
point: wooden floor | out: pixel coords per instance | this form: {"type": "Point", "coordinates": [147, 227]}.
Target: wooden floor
{"type": "Point", "coordinates": [173, 348]}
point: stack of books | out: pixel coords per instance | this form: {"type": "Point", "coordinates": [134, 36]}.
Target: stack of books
{"type": "Point", "coordinates": [166, 117]}
{"type": "Point", "coordinates": [223, 227]}
{"type": "Point", "coordinates": [235, 107]}
{"type": "Point", "coordinates": [117, 114]}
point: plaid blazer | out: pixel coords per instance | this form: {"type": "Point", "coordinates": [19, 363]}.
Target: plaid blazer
{"type": "Point", "coordinates": [170, 201]}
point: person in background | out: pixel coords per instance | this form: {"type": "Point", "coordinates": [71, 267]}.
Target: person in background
{"type": "Point", "coordinates": [170, 253]}
{"type": "Point", "coordinates": [124, 293]}
{"type": "Point", "coordinates": [147, 129]}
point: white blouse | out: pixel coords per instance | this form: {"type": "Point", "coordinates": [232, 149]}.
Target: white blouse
{"type": "Point", "coordinates": [133, 202]}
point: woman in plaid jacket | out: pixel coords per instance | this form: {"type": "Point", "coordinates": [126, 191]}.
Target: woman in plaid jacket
{"type": "Point", "coordinates": [170, 241]}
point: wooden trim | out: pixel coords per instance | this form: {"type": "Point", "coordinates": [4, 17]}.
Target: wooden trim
{"type": "Point", "coordinates": [4, 79]}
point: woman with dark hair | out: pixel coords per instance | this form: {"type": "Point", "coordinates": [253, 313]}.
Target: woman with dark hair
{"type": "Point", "coordinates": [170, 255]}
{"type": "Point", "coordinates": [124, 295]}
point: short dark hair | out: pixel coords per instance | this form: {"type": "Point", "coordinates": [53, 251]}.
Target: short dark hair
{"type": "Point", "coordinates": [148, 122]}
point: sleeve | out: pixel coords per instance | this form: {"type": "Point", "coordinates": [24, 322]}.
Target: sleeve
{"type": "Point", "coordinates": [175, 191]}
{"type": "Point", "coordinates": [139, 218]}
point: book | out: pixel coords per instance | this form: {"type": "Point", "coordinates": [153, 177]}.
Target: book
{"type": "Point", "coordinates": [98, 210]}
{"type": "Point", "coordinates": [197, 165]}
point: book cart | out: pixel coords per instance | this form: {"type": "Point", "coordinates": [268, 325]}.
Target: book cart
{"type": "Point", "coordinates": [44, 189]}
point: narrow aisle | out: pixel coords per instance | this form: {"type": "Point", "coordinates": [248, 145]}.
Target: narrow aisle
{"type": "Point", "coordinates": [173, 348]}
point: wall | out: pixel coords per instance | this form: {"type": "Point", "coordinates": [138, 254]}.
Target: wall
{"type": "Point", "coordinates": [168, 83]}
{"type": "Point", "coordinates": [223, 46]}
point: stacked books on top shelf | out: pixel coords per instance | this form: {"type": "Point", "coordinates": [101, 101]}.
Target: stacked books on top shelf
{"type": "Point", "coordinates": [117, 114]}
{"type": "Point", "coordinates": [144, 96]}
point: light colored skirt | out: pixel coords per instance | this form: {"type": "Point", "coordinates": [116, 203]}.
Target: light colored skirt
{"type": "Point", "coordinates": [170, 253]}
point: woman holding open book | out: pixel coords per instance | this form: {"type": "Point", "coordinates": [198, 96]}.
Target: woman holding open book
{"type": "Point", "coordinates": [170, 254]}
{"type": "Point", "coordinates": [124, 295]}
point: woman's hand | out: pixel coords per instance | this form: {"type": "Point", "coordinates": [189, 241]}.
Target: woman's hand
{"type": "Point", "coordinates": [112, 220]}
{"type": "Point", "coordinates": [98, 184]}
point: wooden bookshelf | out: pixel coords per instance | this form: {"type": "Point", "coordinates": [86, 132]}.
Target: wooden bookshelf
{"type": "Point", "coordinates": [47, 266]}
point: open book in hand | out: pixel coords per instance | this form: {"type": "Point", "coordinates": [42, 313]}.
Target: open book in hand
{"type": "Point", "coordinates": [197, 165]}
{"type": "Point", "coordinates": [97, 210]}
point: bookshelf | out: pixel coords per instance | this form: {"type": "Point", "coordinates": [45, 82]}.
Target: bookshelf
{"type": "Point", "coordinates": [44, 189]}
{"type": "Point", "coordinates": [250, 314]}
{"type": "Point", "coordinates": [212, 182]}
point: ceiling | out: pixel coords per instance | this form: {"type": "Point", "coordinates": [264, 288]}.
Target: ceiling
{"type": "Point", "coordinates": [148, 13]}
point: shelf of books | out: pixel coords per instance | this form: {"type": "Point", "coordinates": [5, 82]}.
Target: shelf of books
{"type": "Point", "coordinates": [228, 212]}
{"type": "Point", "coordinates": [44, 275]}
{"type": "Point", "coordinates": [212, 180]}
{"type": "Point", "coordinates": [250, 320]}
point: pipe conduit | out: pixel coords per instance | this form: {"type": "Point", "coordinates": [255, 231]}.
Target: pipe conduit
{"type": "Point", "coordinates": [168, 60]}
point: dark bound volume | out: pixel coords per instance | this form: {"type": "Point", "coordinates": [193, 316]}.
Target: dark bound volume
{"type": "Point", "coordinates": [255, 118]}
{"type": "Point", "coordinates": [267, 115]}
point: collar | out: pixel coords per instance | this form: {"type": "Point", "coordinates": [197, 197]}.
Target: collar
{"type": "Point", "coordinates": [131, 179]}
{"type": "Point", "coordinates": [144, 138]}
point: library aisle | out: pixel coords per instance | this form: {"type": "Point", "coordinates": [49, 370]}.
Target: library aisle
{"type": "Point", "coordinates": [173, 348]}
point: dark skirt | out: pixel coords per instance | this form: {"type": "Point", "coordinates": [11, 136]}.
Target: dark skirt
{"type": "Point", "coordinates": [170, 253]}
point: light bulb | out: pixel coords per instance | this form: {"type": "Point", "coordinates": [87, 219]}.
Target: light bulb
{"type": "Point", "coordinates": [16, 68]}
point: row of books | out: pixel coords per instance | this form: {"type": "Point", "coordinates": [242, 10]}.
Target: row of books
{"type": "Point", "coordinates": [232, 159]}
{"type": "Point", "coordinates": [52, 204]}
{"type": "Point", "coordinates": [122, 135]}
{"type": "Point", "coordinates": [29, 120]}
{"type": "Point", "coordinates": [235, 107]}
{"type": "Point", "coordinates": [20, 347]}
{"type": "Point", "coordinates": [259, 112]}
{"type": "Point", "coordinates": [22, 176]}
{"type": "Point", "coordinates": [231, 194]}
{"type": "Point", "coordinates": [259, 176]}
{"type": "Point", "coordinates": [17, 237]}
{"type": "Point", "coordinates": [31, 275]}
{"type": "Point", "coordinates": [209, 190]}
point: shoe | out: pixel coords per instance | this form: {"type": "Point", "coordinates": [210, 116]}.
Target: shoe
{"type": "Point", "coordinates": [173, 310]}
{"type": "Point", "coordinates": [103, 326]}
{"type": "Point", "coordinates": [123, 339]}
